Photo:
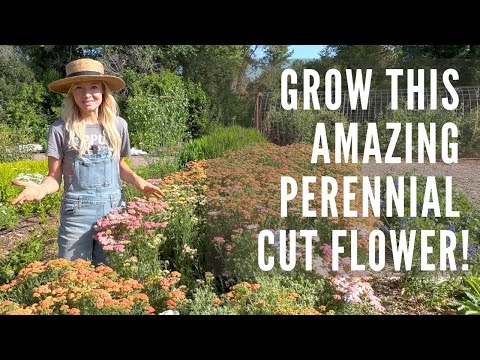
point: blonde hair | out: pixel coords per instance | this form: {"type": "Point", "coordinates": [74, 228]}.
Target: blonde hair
{"type": "Point", "coordinates": [107, 116]}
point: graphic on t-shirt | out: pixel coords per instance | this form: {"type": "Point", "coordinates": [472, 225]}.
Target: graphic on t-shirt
{"type": "Point", "coordinates": [96, 142]}
{"type": "Point", "coordinates": [95, 139]}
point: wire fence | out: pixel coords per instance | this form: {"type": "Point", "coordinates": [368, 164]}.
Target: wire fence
{"type": "Point", "coordinates": [378, 103]}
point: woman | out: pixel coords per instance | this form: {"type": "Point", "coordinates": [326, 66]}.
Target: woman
{"type": "Point", "coordinates": [86, 147]}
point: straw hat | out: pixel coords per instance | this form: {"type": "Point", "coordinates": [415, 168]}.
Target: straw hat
{"type": "Point", "coordinates": [85, 70]}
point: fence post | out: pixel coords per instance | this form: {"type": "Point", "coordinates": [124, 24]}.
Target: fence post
{"type": "Point", "coordinates": [258, 110]}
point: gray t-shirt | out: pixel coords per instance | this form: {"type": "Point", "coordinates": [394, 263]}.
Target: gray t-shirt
{"type": "Point", "coordinates": [58, 147]}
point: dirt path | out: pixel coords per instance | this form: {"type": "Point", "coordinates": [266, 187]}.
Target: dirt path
{"type": "Point", "coordinates": [466, 174]}
{"type": "Point", "coordinates": [466, 178]}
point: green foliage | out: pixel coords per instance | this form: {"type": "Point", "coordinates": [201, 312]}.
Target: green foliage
{"type": "Point", "coordinates": [198, 111]}
{"type": "Point", "coordinates": [471, 304]}
{"type": "Point", "coordinates": [435, 293]}
{"type": "Point", "coordinates": [41, 58]}
{"type": "Point", "coordinates": [144, 59]}
{"type": "Point", "coordinates": [26, 252]}
{"type": "Point", "coordinates": [154, 121]}
{"type": "Point", "coordinates": [463, 58]}
{"type": "Point", "coordinates": [341, 57]}
{"type": "Point", "coordinates": [182, 246]}
{"type": "Point", "coordinates": [403, 115]}
{"type": "Point", "coordinates": [9, 171]}
{"type": "Point", "coordinates": [221, 70]}
{"type": "Point", "coordinates": [219, 142]}
{"type": "Point", "coordinates": [284, 127]}
{"type": "Point", "coordinates": [215, 65]}
{"type": "Point", "coordinates": [52, 102]}
{"type": "Point", "coordinates": [161, 235]}
{"type": "Point", "coordinates": [230, 109]}
{"type": "Point", "coordinates": [156, 170]}
{"type": "Point", "coordinates": [8, 216]}
{"type": "Point", "coordinates": [440, 51]}
{"type": "Point", "coordinates": [469, 219]}
{"type": "Point", "coordinates": [13, 73]}
{"type": "Point", "coordinates": [202, 302]}
{"type": "Point", "coordinates": [469, 133]}
{"type": "Point", "coordinates": [24, 113]}
{"type": "Point", "coordinates": [9, 141]}
{"type": "Point", "coordinates": [276, 55]}
{"type": "Point", "coordinates": [279, 294]}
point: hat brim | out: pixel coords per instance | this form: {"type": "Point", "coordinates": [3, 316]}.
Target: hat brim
{"type": "Point", "coordinates": [63, 85]}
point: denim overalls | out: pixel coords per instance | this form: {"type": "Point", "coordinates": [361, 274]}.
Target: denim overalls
{"type": "Point", "coordinates": [94, 192]}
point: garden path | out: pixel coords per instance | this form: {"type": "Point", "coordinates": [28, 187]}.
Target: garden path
{"type": "Point", "coordinates": [466, 174]}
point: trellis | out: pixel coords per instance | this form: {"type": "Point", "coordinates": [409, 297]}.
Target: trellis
{"type": "Point", "coordinates": [379, 101]}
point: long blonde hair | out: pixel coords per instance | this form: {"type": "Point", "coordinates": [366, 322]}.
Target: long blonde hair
{"type": "Point", "coordinates": [107, 116]}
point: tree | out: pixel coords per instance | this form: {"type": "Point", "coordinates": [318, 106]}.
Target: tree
{"type": "Point", "coordinates": [144, 59]}
{"type": "Point", "coordinates": [375, 57]}
{"type": "Point", "coordinates": [42, 58]}
{"type": "Point", "coordinates": [463, 58]}
{"type": "Point", "coordinates": [13, 73]}
{"type": "Point", "coordinates": [276, 55]}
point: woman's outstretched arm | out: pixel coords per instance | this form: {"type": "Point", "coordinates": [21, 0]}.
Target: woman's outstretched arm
{"type": "Point", "coordinates": [129, 176]}
{"type": "Point", "coordinates": [50, 184]}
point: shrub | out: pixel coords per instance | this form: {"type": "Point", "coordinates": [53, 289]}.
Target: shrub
{"type": "Point", "coordinates": [154, 121]}
{"type": "Point", "coordinates": [284, 127]}
{"type": "Point", "coordinates": [228, 108]}
{"type": "Point", "coordinates": [9, 141]}
{"type": "Point", "coordinates": [198, 111]}
{"type": "Point", "coordinates": [14, 73]}
{"type": "Point", "coordinates": [24, 113]}
{"type": "Point", "coordinates": [469, 133]}
{"type": "Point", "coordinates": [403, 115]}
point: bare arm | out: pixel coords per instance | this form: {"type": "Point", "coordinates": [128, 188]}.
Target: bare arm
{"type": "Point", "coordinates": [50, 184]}
{"type": "Point", "coordinates": [129, 176]}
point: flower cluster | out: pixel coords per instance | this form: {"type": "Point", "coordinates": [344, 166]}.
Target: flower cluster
{"type": "Point", "coordinates": [34, 177]}
{"type": "Point", "coordinates": [355, 290]}
{"type": "Point", "coordinates": [253, 298]}
{"type": "Point", "coordinates": [245, 183]}
{"type": "Point", "coordinates": [163, 291]}
{"type": "Point", "coordinates": [114, 230]}
{"type": "Point", "coordinates": [72, 287]}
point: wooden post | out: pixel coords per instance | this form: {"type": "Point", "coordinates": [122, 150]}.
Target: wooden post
{"type": "Point", "coordinates": [257, 112]}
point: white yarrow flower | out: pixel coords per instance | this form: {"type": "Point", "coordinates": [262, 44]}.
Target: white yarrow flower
{"type": "Point", "coordinates": [170, 312]}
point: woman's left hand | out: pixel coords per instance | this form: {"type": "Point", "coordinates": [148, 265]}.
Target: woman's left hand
{"type": "Point", "coordinates": [148, 189]}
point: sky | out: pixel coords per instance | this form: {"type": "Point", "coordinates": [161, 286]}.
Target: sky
{"type": "Point", "coordinates": [305, 51]}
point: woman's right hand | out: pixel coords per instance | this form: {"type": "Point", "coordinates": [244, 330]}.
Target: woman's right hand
{"type": "Point", "coordinates": [31, 192]}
